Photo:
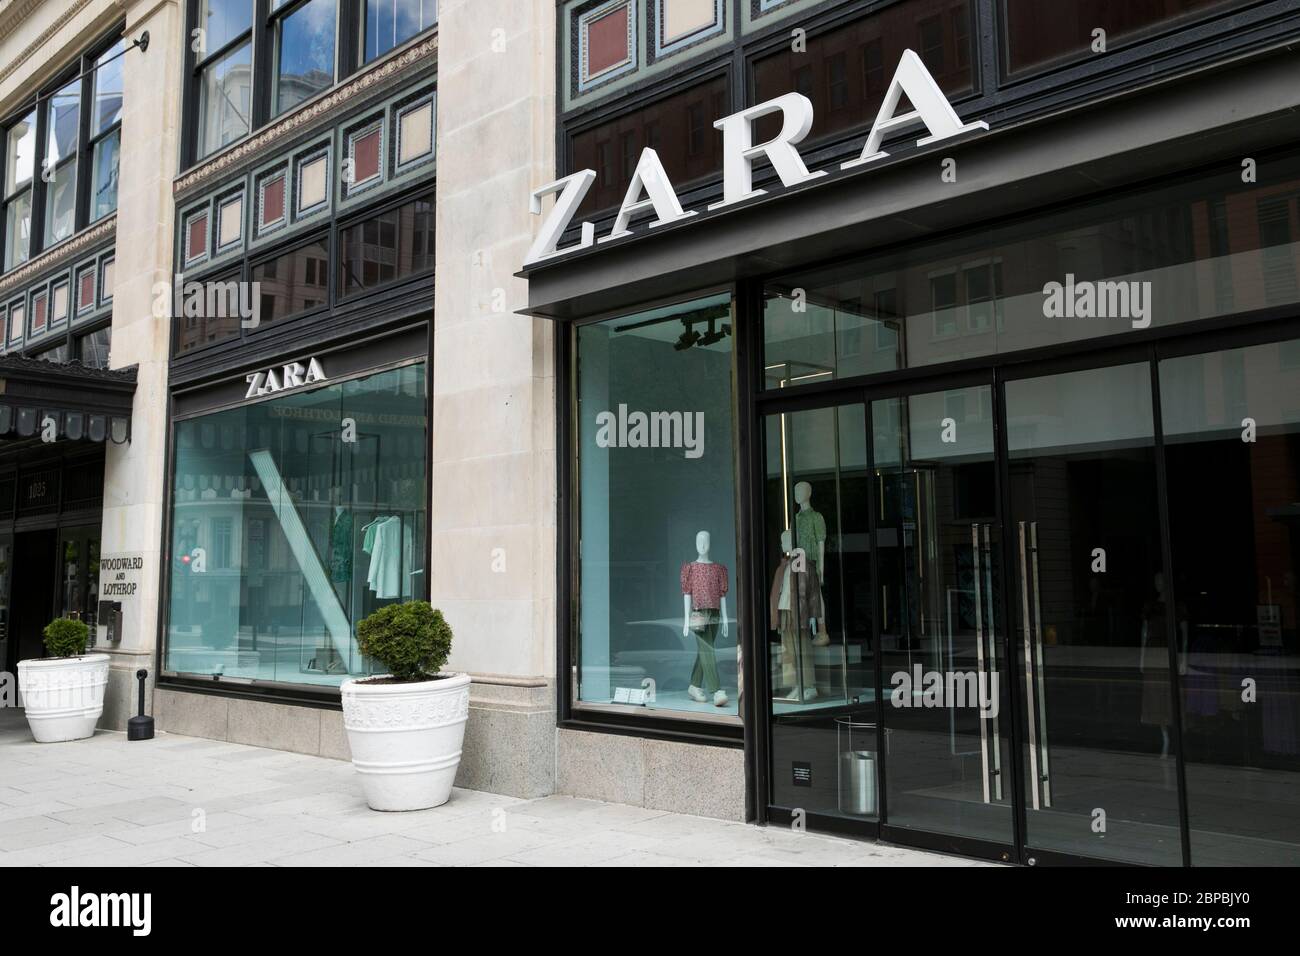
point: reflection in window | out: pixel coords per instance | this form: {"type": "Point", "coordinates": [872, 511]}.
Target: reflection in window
{"type": "Point", "coordinates": [1193, 250]}
{"type": "Point", "coordinates": [1237, 584]}
{"type": "Point", "coordinates": [92, 349]}
{"type": "Point", "coordinates": [18, 229]}
{"type": "Point", "coordinates": [304, 53]}
{"type": "Point", "coordinates": [225, 99]}
{"type": "Point", "coordinates": [389, 23]}
{"type": "Point", "coordinates": [59, 354]}
{"type": "Point", "coordinates": [59, 166]}
{"type": "Point", "coordinates": [295, 282]}
{"type": "Point", "coordinates": [678, 127]}
{"type": "Point", "coordinates": [1097, 705]}
{"type": "Point", "coordinates": [105, 130]}
{"type": "Point", "coordinates": [103, 199]}
{"type": "Point", "coordinates": [222, 21]}
{"type": "Point", "coordinates": [658, 626]}
{"type": "Point", "coordinates": [301, 534]}
{"type": "Point", "coordinates": [1040, 34]}
{"type": "Point", "coordinates": [868, 50]}
{"type": "Point", "coordinates": [393, 245]}
{"type": "Point", "coordinates": [218, 318]}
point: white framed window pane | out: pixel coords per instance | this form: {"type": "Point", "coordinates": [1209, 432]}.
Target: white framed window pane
{"type": "Point", "coordinates": [62, 123]}
{"type": "Point", "coordinates": [18, 229]}
{"type": "Point", "coordinates": [225, 98]}
{"type": "Point", "coordinates": [108, 89]}
{"type": "Point", "coordinates": [103, 198]}
{"type": "Point", "coordinates": [389, 23]}
{"type": "Point", "coordinates": [61, 203]}
{"type": "Point", "coordinates": [221, 21]}
{"type": "Point", "coordinates": [20, 153]}
{"type": "Point", "coordinates": [304, 53]}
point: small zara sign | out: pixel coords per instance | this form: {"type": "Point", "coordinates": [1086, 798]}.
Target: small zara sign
{"type": "Point", "coordinates": [284, 377]}
{"type": "Point", "coordinates": [930, 108]}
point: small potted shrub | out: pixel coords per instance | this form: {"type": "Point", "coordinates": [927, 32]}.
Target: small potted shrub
{"type": "Point", "coordinates": [406, 727]}
{"type": "Point", "coordinates": [63, 694]}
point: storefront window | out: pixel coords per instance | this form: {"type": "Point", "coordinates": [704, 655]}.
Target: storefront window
{"type": "Point", "coordinates": [293, 518]}
{"type": "Point", "coordinates": [1232, 424]}
{"type": "Point", "coordinates": [658, 610]}
{"type": "Point", "coordinates": [1208, 247]}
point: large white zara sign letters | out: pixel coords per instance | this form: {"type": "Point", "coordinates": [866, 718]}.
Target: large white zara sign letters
{"type": "Point", "coordinates": [930, 108]}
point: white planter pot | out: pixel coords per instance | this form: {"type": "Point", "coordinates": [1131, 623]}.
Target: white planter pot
{"type": "Point", "coordinates": [63, 696]}
{"type": "Point", "coordinates": [406, 739]}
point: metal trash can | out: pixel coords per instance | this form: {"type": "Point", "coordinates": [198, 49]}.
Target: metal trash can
{"type": "Point", "coordinates": [858, 787]}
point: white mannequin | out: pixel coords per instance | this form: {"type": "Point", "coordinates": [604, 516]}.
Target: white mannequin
{"type": "Point", "coordinates": [702, 542]}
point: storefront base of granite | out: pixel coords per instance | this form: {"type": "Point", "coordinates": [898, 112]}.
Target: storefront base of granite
{"type": "Point", "coordinates": [701, 780]}
{"type": "Point", "coordinates": [509, 740]}
{"type": "Point", "coordinates": [122, 695]}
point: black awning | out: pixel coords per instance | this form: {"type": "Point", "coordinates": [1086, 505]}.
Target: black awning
{"type": "Point", "coordinates": [79, 403]}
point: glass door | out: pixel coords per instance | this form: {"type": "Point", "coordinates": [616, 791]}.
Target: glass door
{"type": "Point", "coordinates": [817, 607]}
{"type": "Point", "coordinates": [79, 575]}
{"type": "Point", "coordinates": [944, 683]}
{"type": "Point", "coordinates": [1093, 614]}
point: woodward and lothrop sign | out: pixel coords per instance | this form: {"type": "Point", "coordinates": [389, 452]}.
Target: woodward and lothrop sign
{"type": "Point", "coordinates": [930, 108]}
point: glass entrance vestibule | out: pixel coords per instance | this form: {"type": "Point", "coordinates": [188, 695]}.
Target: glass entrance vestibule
{"type": "Point", "coordinates": [1036, 584]}
{"type": "Point", "coordinates": [1031, 534]}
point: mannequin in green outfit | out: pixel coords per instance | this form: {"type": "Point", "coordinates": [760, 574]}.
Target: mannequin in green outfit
{"type": "Point", "coordinates": [810, 535]}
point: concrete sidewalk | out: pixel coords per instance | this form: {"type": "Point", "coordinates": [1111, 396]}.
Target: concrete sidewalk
{"type": "Point", "coordinates": [186, 801]}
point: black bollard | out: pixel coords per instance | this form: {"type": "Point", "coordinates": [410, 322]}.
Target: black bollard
{"type": "Point", "coordinates": [140, 727]}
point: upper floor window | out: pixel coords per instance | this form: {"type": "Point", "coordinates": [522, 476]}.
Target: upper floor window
{"type": "Point", "coordinates": [20, 153]}
{"type": "Point", "coordinates": [106, 130]}
{"type": "Point", "coordinates": [304, 50]}
{"type": "Point", "coordinates": [253, 60]}
{"type": "Point", "coordinates": [222, 41]}
{"type": "Point", "coordinates": [60, 159]}
{"type": "Point", "coordinates": [389, 23]}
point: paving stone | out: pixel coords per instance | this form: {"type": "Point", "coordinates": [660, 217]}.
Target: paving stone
{"type": "Point", "coordinates": [104, 802]}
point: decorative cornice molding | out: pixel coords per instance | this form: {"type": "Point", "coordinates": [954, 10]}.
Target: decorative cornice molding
{"type": "Point", "coordinates": [73, 8]}
{"type": "Point", "coordinates": [64, 250]}
{"type": "Point", "coordinates": [314, 114]}
{"type": "Point", "coordinates": [12, 17]}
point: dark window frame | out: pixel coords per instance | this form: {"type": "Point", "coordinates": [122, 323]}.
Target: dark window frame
{"type": "Point", "coordinates": [82, 71]}
{"type": "Point", "coordinates": [349, 59]}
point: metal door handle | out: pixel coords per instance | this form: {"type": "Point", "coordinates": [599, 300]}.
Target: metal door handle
{"type": "Point", "coordinates": [1035, 706]}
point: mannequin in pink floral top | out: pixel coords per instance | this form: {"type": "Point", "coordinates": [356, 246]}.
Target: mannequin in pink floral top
{"type": "Point", "coordinates": [704, 605]}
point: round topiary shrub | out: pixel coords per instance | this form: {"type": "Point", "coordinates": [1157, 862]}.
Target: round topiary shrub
{"type": "Point", "coordinates": [412, 641]}
{"type": "Point", "coordinates": [66, 638]}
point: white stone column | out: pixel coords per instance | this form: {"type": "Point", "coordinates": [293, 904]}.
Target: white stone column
{"type": "Point", "coordinates": [493, 518]}
{"type": "Point", "coordinates": [134, 474]}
